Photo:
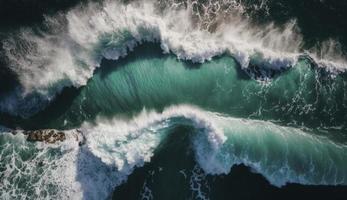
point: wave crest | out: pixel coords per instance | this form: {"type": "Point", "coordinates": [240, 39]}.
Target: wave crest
{"type": "Point", "coordinates": [71, 49]}
{"type": "Point", "coordinates": [115, 147]}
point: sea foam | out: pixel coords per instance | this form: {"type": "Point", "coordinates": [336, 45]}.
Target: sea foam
{"type": "Point", "coordinates": [69, 52]}
{"type": "Point", "coordinates": [114, 148]}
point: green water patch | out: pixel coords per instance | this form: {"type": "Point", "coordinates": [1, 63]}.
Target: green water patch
{"type": "Point", "coordinates": [300, 96]}
{"type": "Point", "coordinates": [173, 173]}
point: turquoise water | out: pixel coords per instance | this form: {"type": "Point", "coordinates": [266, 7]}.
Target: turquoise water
{"type": "Point", "coordinates": [277, 125]}
{"type": "Point", "coordinates": [174, 99]}
{"type": "Point", "coordinates": [301, 96]}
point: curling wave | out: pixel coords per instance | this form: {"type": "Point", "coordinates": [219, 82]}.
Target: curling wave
{"type": "Point", "coordinates": [70, 49]}
{"type": "Point", "coordinates": [115, 147]}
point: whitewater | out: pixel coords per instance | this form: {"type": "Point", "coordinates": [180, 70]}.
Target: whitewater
{"type": "Point", "coordinates": [66, 51]}
{"type": "Point", "coordinates": [122, 80]}
{"type": "Point", "coordinates": [114, 147]}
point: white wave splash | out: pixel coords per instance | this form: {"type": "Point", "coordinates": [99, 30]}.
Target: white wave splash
{"type": "Point", "coordinates": [281, 154]}
{"type": "Point", "coordinates": [111, 152]}
{"type": "Point", "coordinates": [115, 147]}
{"type": "Point", "coordinates": [119, 142]}
{"type": "Point", "coordinates": [69, 52]}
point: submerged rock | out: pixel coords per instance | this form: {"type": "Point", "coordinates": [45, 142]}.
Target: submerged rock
{"type": "Point", "coordinates": [45, 135]}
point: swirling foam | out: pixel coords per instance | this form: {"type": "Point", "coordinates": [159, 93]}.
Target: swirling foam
{"type": "Point", "coordinates": [76, 42]}
{"type": "Point", "coordinates": [115, 147]}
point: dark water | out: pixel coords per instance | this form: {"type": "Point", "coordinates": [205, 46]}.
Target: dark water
{"type": "Point", "coordinates": [172, 173]}
{"type": "Point", "coordinates": [318, 20]}
{"type": "Point", "coordinates": [159, 127]}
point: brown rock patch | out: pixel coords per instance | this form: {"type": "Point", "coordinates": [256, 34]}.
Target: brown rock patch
{"type": "Point", "coordinates": [46, 135]}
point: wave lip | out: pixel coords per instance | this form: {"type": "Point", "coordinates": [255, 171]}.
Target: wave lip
{"type": "Point", "coordinates": [281, 154]}
{"type": "Point", "coordinates": [76, 42]}
{"type": "Point", "coordinates": [136, 139]}
{"type": "Point", "coordinates": [114, 148]}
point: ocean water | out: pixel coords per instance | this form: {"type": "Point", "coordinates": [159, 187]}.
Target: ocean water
{"type": "Point", "coordinates": [173, 100]}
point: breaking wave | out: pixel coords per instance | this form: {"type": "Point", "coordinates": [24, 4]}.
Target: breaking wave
{"type": "Point", "coordinates": [114, 147]}
{"type": "Point", "coordinates": [69, 46]}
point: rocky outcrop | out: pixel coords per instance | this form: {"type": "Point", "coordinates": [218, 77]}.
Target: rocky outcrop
{"type": "Point", "coordinates": [46, 135]}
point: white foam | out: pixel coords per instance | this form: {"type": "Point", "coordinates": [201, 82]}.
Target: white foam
{"type": "Point", "coordinates": [53, 171]}
{"type": "Point", "coordinates": [114, 148]}
{"type": "Point", "coordinates": [281, 154]}
{"type": "Point", "coordinates": [198, 184]}
{"type": "Point", "coordinates": [128, 143]}
{"type": "Point", "coordinates": [68, 54]}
